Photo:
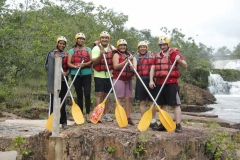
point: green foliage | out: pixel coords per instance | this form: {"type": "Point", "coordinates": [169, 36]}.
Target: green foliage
{"type": "Point", "coordinates": [236, 50]}
{"type": "Point", "coordinates": [140, 149]}
{"type": "Point", "coordinates": [221, 146]}
{"type": "Point", "coordinates": [19, 144]}
{"type": "Point", "coordinates": [230, 75]}
{"type": "Point", "coordinates": [223, 51]}
{"type": "Point", "coordinates": [211, 124]}
{"type": "Point", "coordinates": [111, 149]}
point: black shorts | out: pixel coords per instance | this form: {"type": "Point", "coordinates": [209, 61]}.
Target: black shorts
{"type": "Point", "coordinates": [102, 84]}
{"type": "Point", "coordinates": [169, 95]}
{"type": "Point", "coordinates": [141, 93]}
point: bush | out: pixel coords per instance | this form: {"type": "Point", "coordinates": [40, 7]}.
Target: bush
{"type": "Point", "coordinates": [230, 75]}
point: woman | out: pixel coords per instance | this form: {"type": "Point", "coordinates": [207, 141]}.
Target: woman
{"type": "Point", "coordinates": [123, 87]}
{"type": "Point", "coordinates": [83, 80]}
{"type": "Point", "coordinates": [49, 66]}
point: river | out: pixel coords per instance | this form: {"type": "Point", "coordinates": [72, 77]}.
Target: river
{"type": "Point", "coordinates": [227, 95]}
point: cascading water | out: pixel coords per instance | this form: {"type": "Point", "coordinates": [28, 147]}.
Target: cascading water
{"type": "Point", "coordinates": [226, 93]}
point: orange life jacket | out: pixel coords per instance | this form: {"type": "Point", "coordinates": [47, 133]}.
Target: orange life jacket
{"type": "Point", "coordinates": [144, 64]}
{"type": "Point", "coordinates": [79, 55]}
{"type": "Point", "coordinates": [126, 72]}
{"type": "Point", "coordinates": [101, 65]}
{"type": "Point", "coordinates": [163, 65]}
{"type": "Point", "coordinates": [64, 56]}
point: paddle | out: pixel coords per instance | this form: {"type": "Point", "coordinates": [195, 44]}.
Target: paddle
{"type": "Point", "coordinates": [76, 111]}
{"type": "Point", "coordinates": [145, 121]}
{"type": "Point", "coordinates": [49, 123]}
{"type": "Point", "coordinates": [120, 113]}
{"type": "Point", "coordinates": [98, 110]}
{"type": "Point", "coordinates": [169, 125]}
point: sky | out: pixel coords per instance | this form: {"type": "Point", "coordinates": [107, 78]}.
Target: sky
{"type": "Point", "coordinates": [215, 23]}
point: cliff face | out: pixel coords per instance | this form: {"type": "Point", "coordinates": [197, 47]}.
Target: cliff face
{"type": "Point", "coordinates": [92, 143]}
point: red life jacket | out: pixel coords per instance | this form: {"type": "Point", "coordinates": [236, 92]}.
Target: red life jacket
{"type": "Point", "coordinates": [101, 65]}
{"type": "Point", "coordinates": [126, 72]}
{"type": "Point", "coordinates": [144, 64]}
{"type": "Point", "coordinates": [79, 55]}
{"type": "Point", "coordinates": [64, 56]}
{"type": "Point", "coordinates": [164, 64]}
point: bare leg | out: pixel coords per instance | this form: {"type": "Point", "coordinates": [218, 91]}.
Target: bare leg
{"type": "Point", "coordinates": [142, 107]}
{"type": "Point", "coordinates": [177, 114]}
{"type": "Point", "coordinates": [128, 106]}
{"type": "Point", "coordinates": [99, 98]}
{"type": "Point", "coordinates": [164, 107]}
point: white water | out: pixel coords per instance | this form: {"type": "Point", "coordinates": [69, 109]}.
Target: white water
{"type": "Point", "coordinates": [226, 93]}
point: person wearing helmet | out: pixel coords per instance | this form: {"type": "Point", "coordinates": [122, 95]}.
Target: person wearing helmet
{"type": "Point", "coordinates": [123, 86]}
{"type": "Point", "coordinates": [82, 83]}
{"type": "Point", "coordinates": [101, 78]}
{"type": "Point", "coordinates": [169, 95]}
{"type": "Point", "coordinates": [143, 62]}
{"type": "Point", "coordinates": [49, 66]}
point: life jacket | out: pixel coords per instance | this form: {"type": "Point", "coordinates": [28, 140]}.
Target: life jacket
{"type": "Point", "coordinates": [144, 64]}
{"type": "Point", "coordinates": [126, 72]}
{"type": "Point", "coordinates": [79, 55]}
{"type": "Point", "coordinates": [64, 56]}
{"type": "Point", "coordinates": [101, 65]}
{"type": "Point", "coordinates": [163, 65]}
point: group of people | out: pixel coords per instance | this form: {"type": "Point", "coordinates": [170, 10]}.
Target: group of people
{"type": "Point", "coordinates": [153, 70]}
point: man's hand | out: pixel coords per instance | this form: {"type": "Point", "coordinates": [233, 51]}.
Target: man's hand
{"type": "Point", "coordinates": [152, 84]}
{"type": "Point", "coordinates": [177, 58]}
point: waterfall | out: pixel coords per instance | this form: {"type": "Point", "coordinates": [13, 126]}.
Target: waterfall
{"type": "Point", "coordinates": [216, 84]}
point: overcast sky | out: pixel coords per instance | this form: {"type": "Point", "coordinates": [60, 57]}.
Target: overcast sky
{"type": "Point", "coordinates": [216, 22]}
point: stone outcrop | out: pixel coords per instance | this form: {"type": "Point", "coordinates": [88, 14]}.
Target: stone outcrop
{"type": "Point", "coordinates": [193, 95]}
{"type": "Point", "coordinates": [195, 108]}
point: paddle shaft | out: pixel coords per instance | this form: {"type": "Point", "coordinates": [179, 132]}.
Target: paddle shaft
{"type": "Point", "coordinates": [116, 79]}
{"type": "Point", "coordinates": [71, 84]}
{"type": "Point", "coordinates": [110, 76]}
{"type": "Point", "coordinates": [67, 85]}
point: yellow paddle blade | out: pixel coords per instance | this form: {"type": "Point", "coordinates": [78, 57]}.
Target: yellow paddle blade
{"type": "Point", "coordinates": [120, 115]}
{"type": "Point", "coordinates": [97, 112]}
{"type": "Point", "coordinates": [145, 120]}
{"type": "Point", "coordinates": [49, 123]}
{"type": "Point", "coordinates": [77, 113]}
{"type": "Point", "coordinates": [166, 120]}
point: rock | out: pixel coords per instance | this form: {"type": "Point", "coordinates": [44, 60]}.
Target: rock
{"type": "Point", "coordinates": [195, 108]}
{"type": "Point", "coordinates": [190, 94]}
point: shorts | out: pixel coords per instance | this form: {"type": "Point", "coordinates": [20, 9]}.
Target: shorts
{"type": "Point", "coordinates": [102, 84]}
{"type": "Point", "coordinates": [169, 95]}
{"type": "Point", "coordinates": [123, 88]}
{"type": "Point", "coordinates": [140, 91]}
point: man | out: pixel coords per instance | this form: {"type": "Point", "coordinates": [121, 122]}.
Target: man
{"type": "Point", "coordinates": [143, 62]}
{"type": "Point", "coordinates": [162, 63]}
{"type": "Point", "coordinates": [101, 78]}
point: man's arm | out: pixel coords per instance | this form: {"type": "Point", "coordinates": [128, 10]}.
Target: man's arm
{"type": "Point", "coordinates": [97, 59]}
{"type": "Point", "coordinates": [182, 63]}
{"type": "Point", "coordinates": [151, 74]}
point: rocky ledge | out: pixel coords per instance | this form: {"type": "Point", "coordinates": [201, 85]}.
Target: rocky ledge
{"type": "Point", "coordinates": [106, 141]}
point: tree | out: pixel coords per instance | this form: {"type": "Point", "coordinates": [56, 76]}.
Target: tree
{"type": "Point", "coordinates": [223, 51]}
{"type": "Point", "coordinates": [237, 50]}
